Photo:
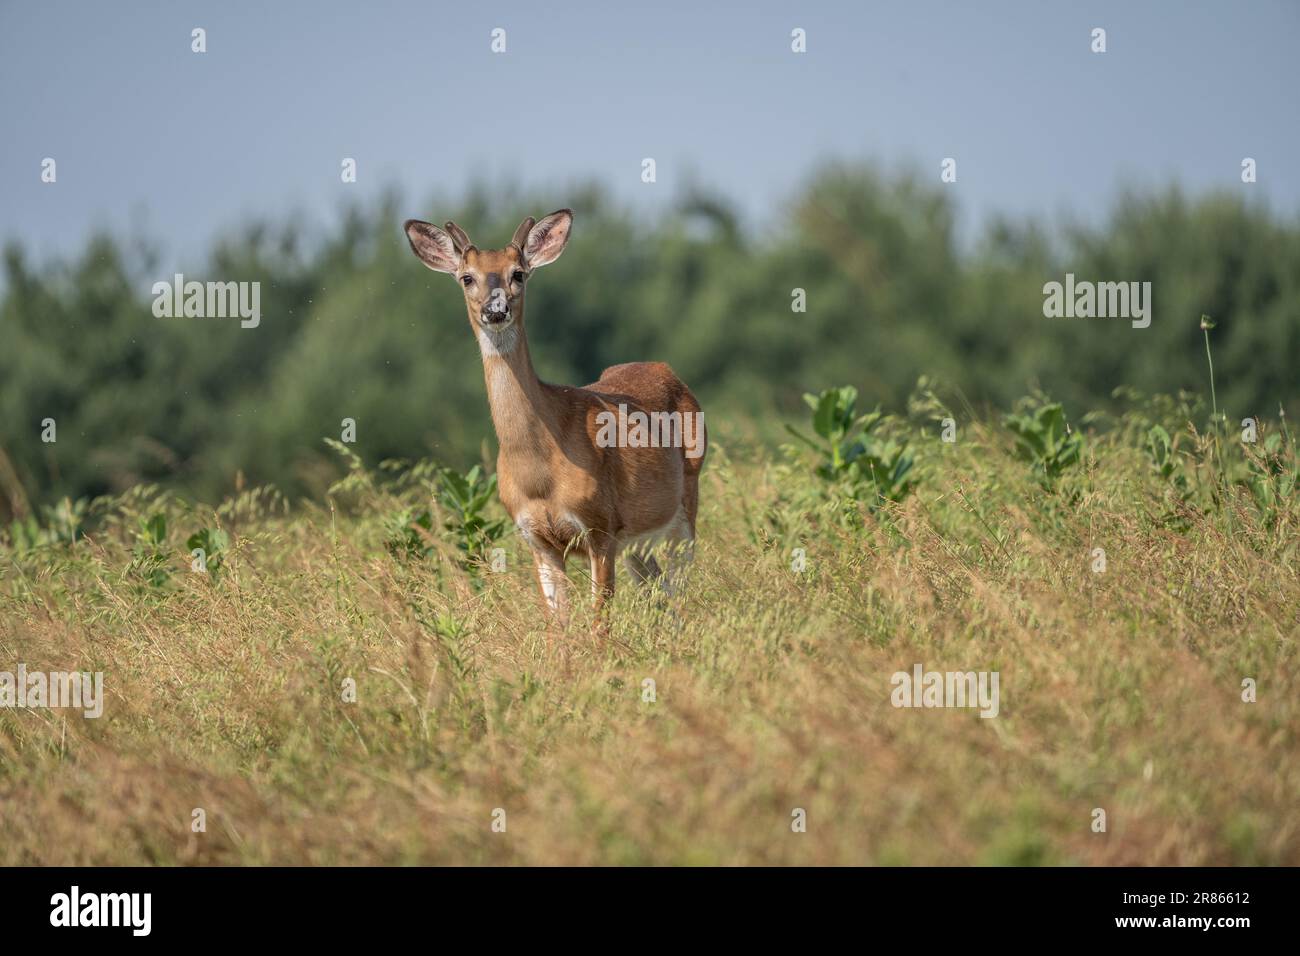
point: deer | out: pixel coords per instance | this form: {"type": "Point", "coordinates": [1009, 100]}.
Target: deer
{"type": "Point", "coordinates": [571, 483]}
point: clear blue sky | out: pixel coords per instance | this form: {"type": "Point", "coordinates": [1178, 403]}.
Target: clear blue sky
{"type": "Point", "coordinates": [181, 147]}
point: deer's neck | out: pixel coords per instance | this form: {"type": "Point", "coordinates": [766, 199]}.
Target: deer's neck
{"type": "Point", "coordinates": [520, 402]}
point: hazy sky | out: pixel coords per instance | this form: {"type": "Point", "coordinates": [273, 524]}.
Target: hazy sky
{"type": "Point", "coordinates": [152, 138]}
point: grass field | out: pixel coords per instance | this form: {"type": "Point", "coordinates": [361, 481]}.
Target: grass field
{"type": "Point", "coordinates": [1121, 688]}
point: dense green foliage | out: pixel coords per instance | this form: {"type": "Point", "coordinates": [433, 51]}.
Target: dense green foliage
{"type": "Point", "coordinates": [354, 327]}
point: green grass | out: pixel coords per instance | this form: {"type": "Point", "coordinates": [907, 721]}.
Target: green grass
{"type": "Point", "coordinates": [1120, 690]}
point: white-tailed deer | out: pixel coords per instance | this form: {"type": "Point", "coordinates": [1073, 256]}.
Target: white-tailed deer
{"type": "Point", "coordinates": [571, 474]}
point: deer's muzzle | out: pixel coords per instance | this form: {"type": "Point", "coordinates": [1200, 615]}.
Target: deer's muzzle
{"type": "Point", "coordinates": [495, 318]}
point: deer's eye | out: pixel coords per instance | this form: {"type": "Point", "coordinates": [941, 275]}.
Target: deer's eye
{"type": "Point", "coordinates": [467, 280]}
{"type": "Point", "coordinates": [517, 277]}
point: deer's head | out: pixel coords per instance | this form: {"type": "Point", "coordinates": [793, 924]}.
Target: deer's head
{"type": "Point", "coordinates": [492, 280]}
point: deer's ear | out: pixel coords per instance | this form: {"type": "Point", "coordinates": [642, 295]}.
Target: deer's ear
{"type": "Point", "coordinates": [433, 246]}
{"type": "Point", "coordinates": [547, 239]}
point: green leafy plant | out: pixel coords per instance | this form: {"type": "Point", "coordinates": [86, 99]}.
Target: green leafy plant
{"type": "Point", "coordinates": [213, 542]}
{"type": "Point", "coordinates": [1169, 465]}
{"type": "Point", "coordinates": [464, 501]}
{"type": "Point", "coordinates": [59, 524]}
{"type": "Point", "coordinates": [403, 533]}
{"type": "Point", "coordinates": [24, 534]}
{"type": "Point", "coordinates": [1272, 479]}
{"type": "Point", "coordinates": [1160, 448]}
{"type": "Point", "coordinates": [150, 562]}
{"type": "Point", "coordinates": [853, 451]}
{"type": "Point", "coordinates": [1045, 440]}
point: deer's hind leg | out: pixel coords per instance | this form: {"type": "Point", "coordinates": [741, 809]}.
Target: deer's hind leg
{"type": "Point", "coordinates": [680, 535]}
{"type": "Point", "coordinates": [641, 566]}
{"type": "Point", "coordinates": [673, 545]}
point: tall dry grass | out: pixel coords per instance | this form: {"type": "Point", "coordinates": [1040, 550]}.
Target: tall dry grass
{"type": "Point", "coordinates": [1120, 690]}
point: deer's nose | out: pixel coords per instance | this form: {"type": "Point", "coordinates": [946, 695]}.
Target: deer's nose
{"type": "Point", "coordinates": [497, 300]}
{"type": "Point", "coordinates": [497, 307]}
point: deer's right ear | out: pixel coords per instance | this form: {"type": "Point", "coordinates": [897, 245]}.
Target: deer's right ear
{"type": "Point", "coordinates": [433, 246]}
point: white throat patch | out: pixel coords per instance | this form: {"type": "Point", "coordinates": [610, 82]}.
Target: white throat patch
{"type": "Point", "coordinates": [498, 341]}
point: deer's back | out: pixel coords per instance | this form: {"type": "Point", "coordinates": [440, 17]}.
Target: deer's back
{"type": "Point", "coordinates": [651, 385]}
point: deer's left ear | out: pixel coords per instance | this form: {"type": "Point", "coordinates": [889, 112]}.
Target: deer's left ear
{"type": "Point", "coordinates": [547, 239]}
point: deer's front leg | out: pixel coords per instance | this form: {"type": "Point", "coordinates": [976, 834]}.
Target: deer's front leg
{"type": "Point", "coordinates": [551, 578]}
